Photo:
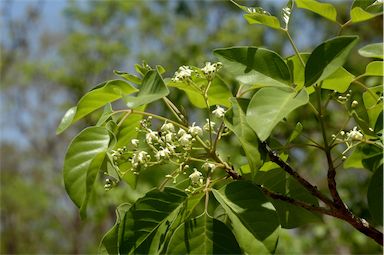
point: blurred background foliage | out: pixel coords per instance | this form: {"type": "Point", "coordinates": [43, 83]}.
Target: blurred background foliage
{"type": "Point", "coordinates": [52, 52]}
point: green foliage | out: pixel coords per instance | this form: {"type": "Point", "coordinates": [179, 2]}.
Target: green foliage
{"type": "Point", "coordinates": [263, 93]}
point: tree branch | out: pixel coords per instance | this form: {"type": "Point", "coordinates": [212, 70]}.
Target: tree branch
{"type": "Point", "coordinates": [312, 189]}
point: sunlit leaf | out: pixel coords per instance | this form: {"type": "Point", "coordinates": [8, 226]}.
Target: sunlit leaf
{"type": "Point", "coordinates": [373, 104]}
{"type": "Point", "coordinates": [99, 96]}
{"type": "Point", "coordinates": [203, 235]}
{"type": "Point", "coordinates": [129, 77]}
{"type": "Point", "coordinates": [253, 218]}
{"type": "Point", "coordinates": [218, 92]}
{"type": "Point", "coordinates": [269, 106]}
{"type": "Point", "coordinates": [254, 66]}
{"type": "Point", "coordinates": [338, 81]}
{"type": "Point", "coordinates": [363, 10]}
{"type": "Point", "coordinates": [326, 10]}
{"type": "Point", "coordinates": [327, 58]}
{"type": "Point", "coordinates": [375, 68]}
{"type": "Point", "coordinates": [82, 162]}
{"type": "Point", "coordinates": [374, 50]}
{"type": "Point", "coordinates": [151, 89]}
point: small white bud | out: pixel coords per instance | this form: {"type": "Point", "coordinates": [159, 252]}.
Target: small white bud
{"type": "Point", "coordinates": [135, 142]}
{"type": "Point", "coordinates": [354, 103]}
{"type": "Point", "coordinates": [196, 177]}
{"type": "Point", "coordinates": [219, 112]}
{"type": "Point", "coordinates": [195, 130]}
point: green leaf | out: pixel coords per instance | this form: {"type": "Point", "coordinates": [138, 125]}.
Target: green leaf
{"type": "Point", "coordinates": [279, 181]}
{"type": "Point", "coordinates": [257, 15]}
{"type": "Point", "coordinates": [373, 104]}
{"type": "Point", "coordinates": [262, 18]}
{"type": "Point", "coordinates": [110, 241]}
{"type": "Point", "coordinates": [326, 10]}
{"type": "Point", "coordinates": [140, 222]}
{"type": "Point", "coordinates": [375, 196]}
{"type": "Point", "coordinates": [365, 156]}
{"type": "Point", "coordinates": [102, 94]}
{"type": "Point", "coordinates": [129, 77]}
{"type": "Point", "coordinates": [296, 132]}
{"type": "Point", "coordinates": [363, 10]}
{"type": "Point", "coordinates": [374, 68]}
{"type": "Point", "coordinates": [235, 120]}
{"type": "Point", "coordinates": [327, 58]}
{"type": "Point", "coordinates": [254, 66]}
{"type": "Point", "coordinates": [166, 230]}
{"type": "Point", "coordinates": [107, 113]}
{"type": "Point", "coordinates": [66, 121]}
{"type": "Point", "coordinates": [151, 89]}
{"type": "Point", "coordinates": [269, 106]}
{"type": "Point", "coordinates": [218, 92]}
{"type": "Point", "coordinates": [82, 162]}
{"type": "Point", "coordinates": [254, 219]}
{"type": "Point", "coordinates": [203, 235]}
{"type": "Point", "coordinates": [339, 80]}
{"type": "Point", "coordinates": [374, 50]}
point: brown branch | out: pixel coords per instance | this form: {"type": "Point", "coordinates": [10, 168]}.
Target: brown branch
{"type": "Point", "coordinates": [335, 210]}
{"type": "Point", "coordinates": [312, 189]}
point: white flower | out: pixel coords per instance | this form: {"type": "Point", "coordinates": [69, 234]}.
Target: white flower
{"type": "Point", "coordinates": [164, 153]}
{"type": "Point", "coordinates": [151, 136]}
{"type": "Point", "coordinates": [196, 177]}
{"type": "Point", "coordinates": [354, 135]}
{"type": "Point", "coordinates": [195, 130]}
{"type": "Point", "coordinates": [140, 157]}
{"type": "Point", "coordinates": [181, 132]}
{"type": "Point", "coordinates": [183, 73]}
{"type": "Point", "coordinates": [135, 142]}
{"type": "Point", "coordinates": [206, 125]}
{"type": "Point", "coordinates": [185, 140]}
{"type": "Point", "coordinates": [171, 147]}
{"type": "Point", "coordinates": [208, 68]}
{"type": "Point", "coordinates": [168, 127]}
{"type": "Point", "coordinates": [169, 137]}
{"type": "Point", "coordinates": [219, 112]}
{"type": "Point", "coordinates": [209, 166]}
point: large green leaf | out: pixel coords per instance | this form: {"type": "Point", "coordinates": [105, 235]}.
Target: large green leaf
{"type": "Point", "coordinates": [140, 222]}
{"type": "Point", "coordinates": [235, 120]}
{"type": "Point", "coordinates": [254, 66]}
{"type": "Point", "coordinates": [254, 219]}
{"type": "Point", "coordinates": [203, 235]}
{"type": "Point", "coordinates": [363, 10]}
{"type": "Point", "coordinates": [374, 68]}
{"type": "Point", "coordinates": [326, 10]}
{"type": "Point", "coordinates": [269, 106]}
{"type": "Point", "coordinates": [279, 181]}
{"type": "Point", "coordinates": [327, 58]}
{"type": "Point", "coordinates": [375, 195]}
{"type": "Point", "coordinates": [218, 92]}
{"type": "Point", "coordinates": [151, 89]}
{"type": "Point", "coordinates": [374, 50]}
{"type": "Point", "coordinates": [110, 241]}
{"type": "Point", "coordinates": [82, 162]}
{"type": "Point", "coordinates": [99, 96]}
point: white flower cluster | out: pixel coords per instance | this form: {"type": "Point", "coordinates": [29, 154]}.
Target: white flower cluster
{"type": "Point", "coordinates": [210, 70]}
{"type": "Point", "coordinates": [183, 73]}
{"type": "Point", "coordinates": [349, 138]}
